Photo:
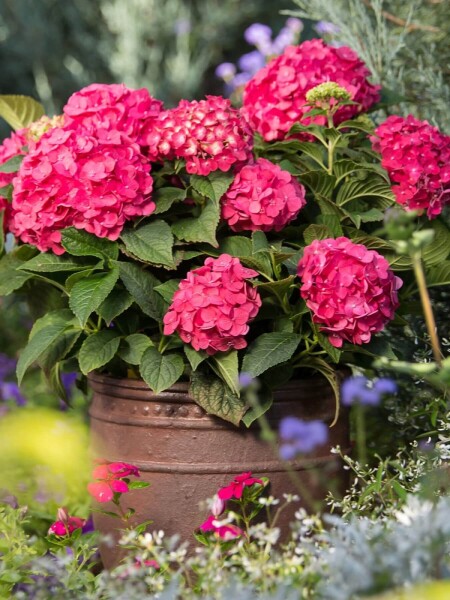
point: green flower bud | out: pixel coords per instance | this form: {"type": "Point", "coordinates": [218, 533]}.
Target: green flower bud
{"type": "Point", "coordinates": [326, 91]}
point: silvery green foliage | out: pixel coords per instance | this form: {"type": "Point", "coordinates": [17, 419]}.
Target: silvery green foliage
{"type": "Point", "coordinates": [403, 44]}
{"type": "Point", "coordinates": [362, 556]}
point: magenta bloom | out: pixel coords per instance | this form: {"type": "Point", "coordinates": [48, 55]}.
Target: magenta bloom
{"type": "Point", "coordinates": [111, 106]}
{"type": "Point", "coordinates": [213, 306]}
{"type": "Point", "coordinates": [91, 182]}
{"type": "Point", "coordinates": [262, 197]}
{"type": "Point", "coordinates": [110, 480]}
{"type": "Point", "coordinates": [65, 527]}
{"type": "Point", "coordinates": [350, 290]}
{"type": "Point", "coordinates": [210, 135]}
{"type": "Point", "coordinates": [417, 158]}
{"type": "Point", "coordinates": [236, 487]}
{"type": "Point", "coordinates": [225, 532]}
{"type": "Point", "coordinates": [275, 98]}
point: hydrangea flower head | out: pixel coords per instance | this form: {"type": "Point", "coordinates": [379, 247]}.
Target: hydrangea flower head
{"type": "Point", "coordinates": [360, 390]}
{"type": "Point", "coordinates": [212, 307]}
{"type": "Point", "coordinates": [350, 290]}
{"type": "Point", "coordinates": [91, 182]}
{"type": "Point", "coordinates": [298, 436]}
{"type": "Point", "coordinates": [209, 135]}
{"type": "Point", "coordinates": [236, 488]}
{"type": "Point", "coordinates": [417, 157]}
{"type": "Point", "coordinates": [275, 98]}
{"type": "Point", "coordinates": [262, 197]}
{"type": "Point", "coordinates": [111, 106]}
{"type": "Point", "coordinates": [110, 479]}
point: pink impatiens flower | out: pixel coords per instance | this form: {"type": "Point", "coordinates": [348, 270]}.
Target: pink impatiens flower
{"type": "Point", "coordinates": [275, 98]}
{"type": "Point", "coordinates": [224, 531]}
{"type": "Point", "coordinates": [350, 290]}
{"type": "Point", "coordinates": [236, 487]}
{"type": "Point", "coordinates": [110, 480]}
{"type": "Point", "coordinates": [210, 135]}
{"type": "Point", "coordinates": [417, 157]}
{"type": "Point", "coordinates": [91, 182]}
{"type": "Point", "coordinates": [65, 525]}
{"type": "Point", "coordinates": [213, 305]}
{"type": "Point", "coordinates": [262, 197]}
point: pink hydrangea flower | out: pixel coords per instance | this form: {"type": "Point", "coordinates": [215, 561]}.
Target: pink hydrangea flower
{"type": "Point", "coordinates": [417, 158]}
{"type": "Point", "coordinates": [110, 480]}
{"type": "Point", "coordinates": [112, 106]}
{"type": "Point", "coordinates": [275, 98]}
{"type": "Point", "coordinates": [224, 531]}
{"type": "Point", "coordinates": [91, 182]}
{"type": "Point", "coordinates": [236, 487]}
{"type": "Point", "coordinates": [213, 305]}
{"type": "Point", "coordinates": [262, 197]}
{"type": "Point", "coordinates": [65, 525]}
{"type": "Point", "coordinates": [350, 290]}
{"type": "Point", "coordinates": [210, 135]}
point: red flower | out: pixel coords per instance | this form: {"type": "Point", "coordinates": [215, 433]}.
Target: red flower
{"type": "Point", "coordinates": [110, 480]}
{"type": "Point", "coordinates": [213, 306]}
{"type": "Point", "coordinates": [92, 182]}
{"type": "Point", "coordinates": [275, 98]}
{"type": "Point", "coordinates": [350, 290]}
{"type": "Point", "coordinates": [112, 106]}
{"type": "Point", "coordinates": [262, 197]}
{"type": "Point", "coordinates": [236, 487]}
{"type": "Point", "coordinates": [210, 135]}
{"type": "Point", "coordinates": [65, 525]}
{"type": "Point", "coordinates": [417, 158]}
{"type": "Point", "coordinates": [225, 532]}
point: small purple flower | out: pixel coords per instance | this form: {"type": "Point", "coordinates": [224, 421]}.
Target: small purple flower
{"type": "Point", "coordinates": [285, 38]}
{"type": "Point", "coordinates": [225, 71]}
{"type": "Point", "coordinates": [10, 391]}
{"type": "Point", "coordinates": [245, 379]}
{"type": "Point", "coordinates": [240, 80]}
{"type": "Point", "coordinates": [326, 28]}
{"type": "Point", "coordinates": [259, 35]}
{"type": "Point", "coordinates": [361, 390]}
{"type": "Point", "coordinates": [300, 437]}
{"type": "Point", "coordinates": [7, 366]}
{"type": "Point", "coordinates": [294, 24]}
{"type": "Point", "coordinates": [252, 62]}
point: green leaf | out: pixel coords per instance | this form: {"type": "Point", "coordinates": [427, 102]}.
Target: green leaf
{"type": "Point", "coordinates": [268, 350]}
{"type": "Point", "coordinates": [333, 352]}
{"type": "Point", "coordinates": [259, 242]}
{"type": "Point", "coordinates": [320, 365]}
{"type": "Point", "coordinates": [439, 275]}
{"type": "Point", "coordinates": [78, 276]}
{"type": "Point", "coordinates": [214, 186]}
{"type": "Point", "coordinates": [12, 165]}
{"type": "Point", "coordinates": [265, 401]}
{"type": "Point", "coordinates": [114, 305]}
{"type": "Point", "coordinates": [133, 347]}
{"type": "Point", "coordinates": [214, 396]}
{"type": "Point", "coordinates": [10, 278]}
{"type": "Point", "coordinates": [44, 333]}
{"type": "Point", "coordinates": [201, 228]}
{"type": "Point", "coordinates": [160, 371]}
{"type": "Point", "coordinates": [141, 285]}
{"type": "Point", "coordinates": [316, 232]}
{"type": "Point", "coordinates": [6, 192]}
{"type": "Point", "coordinates": [278, 288]}
{"type": "Point", "coordinates": [51, 263]}
{"type": "Point", "coordinates": [167, 290]}
{"type": "Point", "coordinates": [97, 350]}
{"type": "Point", "coordinates": [81, 243]}
{"type": "Point", "coordinates": [2, 232]}
{"type": "Point", "coordinates": [195, 357]}
{"type": "Point", "coordinates": [87, 294]}
{"type": "Point", "coordinates": [226, 366]}
{"type": "Point", "coordinates": [370, 187]}
{"type": "Point", "coordinates": [20, 111]}
{"type": "Point", "coordinates": [138, 485]}
{"type": "Point", "coordinates": [434, 253]}
{"type": "Point", "coordinates": [166, 196]}
{"type": "Point", "coordinates": [58, 349]}
{"type": "Point", "coordinates": [242, 248]}
{"type": "Point", "coordinates": [321, 184]}
{"type": "Point", "coordinates": [151, 243]}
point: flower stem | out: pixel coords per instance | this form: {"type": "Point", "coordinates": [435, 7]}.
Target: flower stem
{"type": "Point", "coordinates": [361, 440]}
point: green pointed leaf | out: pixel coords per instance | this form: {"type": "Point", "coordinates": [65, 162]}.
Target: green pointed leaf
{"type": "Point", "coordinates": [316, 232]}
{"type": "Point", "coordinates": [439, 275]}
{"type": "Point", "coordinates": [151, 243]}
{"type": "Point", "coordinates": [20, 111]}
{"type": "Point", "coordinates": [213, 186]}
{"type": "Point", "coordinates": [166, 196]}
{"type": "Point", "coordinates": [114, 305]}
{"type": "Point", "coordinates": [369, 187]}
{"type": "Point", "coordinates": [51, 263]}
{"type": "Point", "coordinates": [133, 347]}
{"type": "Point", "coordinates": [226, 367]}
{"type": "Point", "coordinates": [167, 290]}
{"type": "Point", "coordinates": [11, 279]}
{"type": "Point", "coordinates": [265, 401]}
{"type": "Point", "coordinates": [160, 371]}
{"type": "Point", "coordinates": [81, 243]}
{"type": "Point", "coordinates": [434, 253]}
{"type": "Point", "coordinates": [333, 352]}
{"type": "Point", "coordinates": [141, 285]}
{"type": "Point", "coordinates": [87, 294]}
{"type": "Point", "coordinates": [268, 350]}
{"type": "Point", "coordinates": [259, 242]}
{"type": "Point", "coordinates": [278, 288]}
{"type": "Point", "coordinates": [79, 275]}
{"type": "Point", "coordinates": [6, 192]}
{"type": "Point", "coordinates": [201, 228]}
{"type": "Point", "coordinates": [12, 165]}
{"type": "Point", "coordinates": [214, 396]}
{"type": "Point", "coordinates": [195, 357]}
{"type": "Point", "coordinates": [59, 349]}
{"type": "Point", "coordinates": [321, 184]}
{"type": "Point", "coordinates": [97, 350]}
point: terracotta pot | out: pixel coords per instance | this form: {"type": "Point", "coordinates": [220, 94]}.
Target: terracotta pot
{"type": "Point", "coordinates": [186, 455]}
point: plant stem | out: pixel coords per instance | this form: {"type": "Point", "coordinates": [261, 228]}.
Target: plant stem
{"type": "Point", "coordinates": [427, 308]}
{"type": "Point", "coordinates": [361, 441]}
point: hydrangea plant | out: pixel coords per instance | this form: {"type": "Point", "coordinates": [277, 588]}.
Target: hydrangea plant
{"type": "Point", "coordinates": [200, 242]}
